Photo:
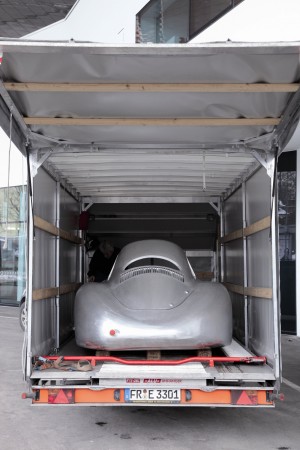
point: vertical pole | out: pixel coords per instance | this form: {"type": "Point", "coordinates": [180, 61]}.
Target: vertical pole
{"type": "Point", "coordinates": [275, 269]}
{"type": "Point", "coordinates": [245, 256]}
{"type": "Point", "coordinates": [57, 268]}
{"type": "Point", "coordinates": [217, 255]}
{"type": "Point", "coordinates": [21, 245]}
{"type": "Point", "coordinates": [222, 231]}
{"type": "Point", "coordinates": [80, 271]}
{"type": "Point", "coordinates": [30, 238]}
{"type": "Point", "coordinates": [82, 266]}
{"type": "Point", "coordinates": [298, 245]}
{"type": "Point", "coordinates": [214, 264]}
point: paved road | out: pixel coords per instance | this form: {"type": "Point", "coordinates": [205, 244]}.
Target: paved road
{"type": "Point", "coordinates": [119, 428]}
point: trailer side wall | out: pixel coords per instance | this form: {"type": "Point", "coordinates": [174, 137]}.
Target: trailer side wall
{"type": "Point", "coordinates": [56, 263]}
{"type": "Point", "coordinates": [248, 264]}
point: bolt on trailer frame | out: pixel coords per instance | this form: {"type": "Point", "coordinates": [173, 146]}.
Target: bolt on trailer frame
{"type": "Point", "coordinates": [229, 162]}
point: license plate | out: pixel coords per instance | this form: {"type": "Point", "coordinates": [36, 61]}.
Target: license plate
{"type": "Point", "coordinates": [153, 395]}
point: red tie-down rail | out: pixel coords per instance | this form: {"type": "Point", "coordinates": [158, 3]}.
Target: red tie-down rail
{"type": "Point", "coordinates": [210, 360]}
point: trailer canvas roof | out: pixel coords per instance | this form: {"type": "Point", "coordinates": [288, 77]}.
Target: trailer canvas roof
{"type": "Point", "coordinates": [151, 121]}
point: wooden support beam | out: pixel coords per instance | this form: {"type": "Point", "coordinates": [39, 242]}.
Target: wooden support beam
{"type": "Point", "coordinates": [42, 224]}
{"type": "Point", "coordinates": [42, 294]}
{"type": "Point", "coordinates": [236, 288]}
{"type": "Point", "coordinates": [204, 276]}
{"type": "Point", "coordinates": [258, 292]}
{"type": "Point", "coordinates": [102, 353]}
{"type": "Point", "coordinates": [260, 225]}
{"type": "Point", "coordinates": [152, 87]}
{"type": "Point", "coordinates": [238, 234]}
{"type": "Point", "coordinates": [152, 122]}
{"type": "Point", "coordinates": [67, 288]}
{"type": "Point", "coordinates": [153, 354]}
{"type": "Point", "coordinates": [207, 352]}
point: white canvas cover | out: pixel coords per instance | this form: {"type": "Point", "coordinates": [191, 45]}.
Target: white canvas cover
{"type": "Point", "coordinates": [152, 120]}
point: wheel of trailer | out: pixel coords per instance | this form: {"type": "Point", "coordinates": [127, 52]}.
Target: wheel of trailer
{"type": "Point", "coordinates": [23, 316]}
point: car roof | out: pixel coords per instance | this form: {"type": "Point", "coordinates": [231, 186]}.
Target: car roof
{"type": "Point", "coordinates": [152, 248]}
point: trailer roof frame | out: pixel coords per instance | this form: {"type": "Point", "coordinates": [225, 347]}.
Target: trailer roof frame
{"type": "Point", "coordinates": [236, 100]}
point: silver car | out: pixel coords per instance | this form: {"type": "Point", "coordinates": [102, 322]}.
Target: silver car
{"type": "Point", "coordinates": [152, 301]}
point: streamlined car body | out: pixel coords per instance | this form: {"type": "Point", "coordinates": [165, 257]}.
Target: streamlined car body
{"type": "Point", "coordinates": [152, 300]}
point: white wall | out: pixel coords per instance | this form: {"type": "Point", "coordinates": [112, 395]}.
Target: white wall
{"type": "Point", "coordinates": [257, 21]}
{"type": "Point", "coordinates": [106, 21]}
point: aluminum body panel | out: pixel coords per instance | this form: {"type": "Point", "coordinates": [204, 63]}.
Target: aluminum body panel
{"type": "Point", "coordinates": [66, 316]}
{"type": "Point", "coordinates": [69, 267]}
{"type": "Point", "coordinates": [44, 196]}
{"type": "Point", "coordinates": [234, 258]}
{"type": "Point", "coordinates": [234, 262]}
{"type": "Point", "coordinates": [261, 328]}
{"type": "Point", "coordinates": [238, 316]}
{"type": "Point", "coordinates": [44, 251]}
{"type": "Point", "coordinates": [259, 259]}
{"type": "Point", "coordinates": [260, 267]}
{"type": "Point", "coordinates": [152, 307]}
{"type": "Point", "coordinates": [43, 326]}
{"type": "Point", "coordinates": [53, 315]}
{"type": "Point", "coordinates": [260, 313]}
{"type": "Point", "coordinates": [233, 212]}
{"type": "Point", "coordinates": [258, 196]}
{"type": "Point", "coordinates": [69, 211]}
{"type": "Point", "coordinates": [69, 262]}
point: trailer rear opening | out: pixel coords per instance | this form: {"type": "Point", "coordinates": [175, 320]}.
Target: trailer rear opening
{"type": "Point", "coordinates": [174, 142]}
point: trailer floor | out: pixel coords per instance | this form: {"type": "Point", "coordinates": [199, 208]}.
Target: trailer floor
{"type": "Point", "coordinates": [193, 374]}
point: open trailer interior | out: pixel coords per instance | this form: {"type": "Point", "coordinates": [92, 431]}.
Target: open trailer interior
{"type": "Point", "coordinates": [167, 142]}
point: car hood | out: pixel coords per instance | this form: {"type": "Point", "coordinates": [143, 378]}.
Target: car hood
{"type": "Point", "coordinates": [152, 291]}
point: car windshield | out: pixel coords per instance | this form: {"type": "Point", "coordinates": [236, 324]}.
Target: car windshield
{"type": "Point", "coordinates": [152, 261]}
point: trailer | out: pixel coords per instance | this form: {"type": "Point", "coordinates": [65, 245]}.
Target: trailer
{"type": "Point", "coordinates": [179, 142]}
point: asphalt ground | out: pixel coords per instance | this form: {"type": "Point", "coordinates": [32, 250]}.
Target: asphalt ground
{"type": "Point", "coordinates": [119, 428]}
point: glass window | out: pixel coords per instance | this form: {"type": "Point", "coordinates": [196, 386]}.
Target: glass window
{"type": "Point", "coordinates": [206, 12]}
{"type": "Point", "coordinates": [152, 262]}
{"type": "Point", "coordinates": [164, 22]}
{"type": "Point", "coordinates": [287, 215]}
{"type": "Point", "coordinates": [178, 21]}
{"type": "Point", "coordinates": [12, 222]}
{"type": "Point", "coordinates": [287, 239]}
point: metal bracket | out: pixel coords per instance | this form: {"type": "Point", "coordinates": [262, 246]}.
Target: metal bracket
{"type": "Point", "coordinates": [85, 208]}
{"type": "Point", "coordinates": [289, 122]}
{"type": "Point", "coordinates": [43, 158]}
{"type": "Point", "coordinates": [13, 109]}
{"type": "Point", "coordinates": [36, 162]}
{"type": "Point", "coordinates": [267, 160]}
{"type": "Point", "coordinates": [216, 208]}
